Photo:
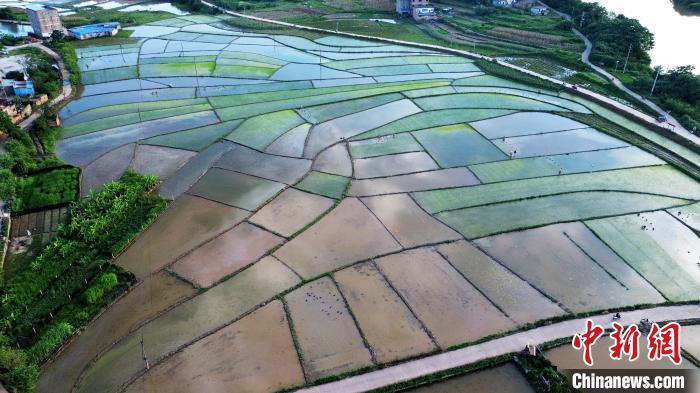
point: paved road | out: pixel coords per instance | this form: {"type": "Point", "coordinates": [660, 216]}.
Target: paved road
{"type": "Point", "coordinates": [585, 58]}
{"type": "Point", "coordinates": [505, 345]}
{"type": "Point", "coordinates": [67, 89]}
{"type": "Point", "coordinates": [641, 117]}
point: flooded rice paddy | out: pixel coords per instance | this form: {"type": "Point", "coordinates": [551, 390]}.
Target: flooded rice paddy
{"type": "Point", "coordinates": [423, 203]}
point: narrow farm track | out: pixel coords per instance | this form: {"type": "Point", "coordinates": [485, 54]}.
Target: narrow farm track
{"type": "Point", "coordinates": [501, 346]}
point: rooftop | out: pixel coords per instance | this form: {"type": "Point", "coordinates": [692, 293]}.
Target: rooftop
{"type": "Point", "coordinates": [39, 7]}
{"type": "Point", "coordinates": [95, 28]}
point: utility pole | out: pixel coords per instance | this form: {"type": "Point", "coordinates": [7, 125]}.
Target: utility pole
{"type": "Point", "coordinates": [624, 70]}
{"type": "Point", "coordinates": [143, 353]}
{"type": "Point", "coordinates": [653, 86]}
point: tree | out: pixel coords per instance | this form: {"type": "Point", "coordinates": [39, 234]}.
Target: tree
{"type": "Point", "coordinates": [57, 35]}
{"type": "Point", "coordinates": [8, 186]}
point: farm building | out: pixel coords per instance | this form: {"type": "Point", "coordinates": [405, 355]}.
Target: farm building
{"type": "Point", "coordinates": [539, 10]}
{"type": "Point", "coordinates": [421, 10]}
{"type": "Point", "coordinates": [23, 88]}
{"type": "Point", "coordinates": [503, 3]}
{"type": "Point", "coordinates": [424, 13]}
{"type": "Point", "coordinates": [96, 30]}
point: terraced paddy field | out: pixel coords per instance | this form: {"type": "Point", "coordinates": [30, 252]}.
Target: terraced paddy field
{"type": "Point", "coordinates": [339, 204]}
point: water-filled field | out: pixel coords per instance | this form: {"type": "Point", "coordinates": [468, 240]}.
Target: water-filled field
{"type": "Point", "coordinates": [422, 203]}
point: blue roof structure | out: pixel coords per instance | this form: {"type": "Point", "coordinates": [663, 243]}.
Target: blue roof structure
{"type": "Point", "coordinates": [96, 28]}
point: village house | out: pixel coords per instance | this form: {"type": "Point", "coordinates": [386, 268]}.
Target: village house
{"type": "Point", "coordinates": [421, 10]}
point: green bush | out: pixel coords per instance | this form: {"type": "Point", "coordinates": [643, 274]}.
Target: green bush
{"type": "Point", "coordinates": [105, 283]}
{"type": "Point", "coordinates": [21, 379]}
{"type": "Point", "coordinates": [52, 339]}
{"type": "Point", "coordinates": [45, 189]}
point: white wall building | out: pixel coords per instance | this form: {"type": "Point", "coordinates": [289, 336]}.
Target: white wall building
{"type": "Point", "coordinates": [44, 19]}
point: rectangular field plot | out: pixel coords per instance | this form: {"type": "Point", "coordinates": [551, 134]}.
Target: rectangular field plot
{"type": "Point", "coordinates": [127, 97]}
{"type": "Point", "coordinates": [522, 168]}
{"type": "Point", "coordinates": [398, 60]}
{"type": "Point", "coordinates": [442, 178]}
{"type": "Point", "coordinates": [690, 215]}
{"type": "Point", "coordinates": [291, 211]}
{"type": "Point", "coordinates": [430, 119]}
{"type": "Point", "coordinates": [552, 99]}
{"type": "Point", "coordinates": [330, 132]}
{"type": "Point", "coordinates": [520, 301]}
{"type": "Point", "coordinates": [431, 91]}
{"type": "Point", "coordinates": [196, 139]}
{"type": "Point", "coordinates": [251, 162]}
{"type": "Point", "coordinates": [390, 328]}
{"type": "Point", "coordinates": [165, 240]}
{"type": "Point", "coordinates": [487, 220]}
{"type": "Point", "coordinates": [83, 149]}
{"type": "Point", "coordinates": [188, 174]}
{"type": "Point", "coordinates": [241, 71]}
{"type": "Point", "coordinates": [334, 160]}
{"type": "Point", "coordinates": [600, 160]}
{"type": "Point", "coordinates": [524, 123]}
{"type": "Point", "coordinates": [447, 304]}
{"type": "Point", "coordinates": [235, 189]}
{"type": "Point", "coordinates": [489, 80]}
{"type": "Point", "coordinates": [202, 314]}
{"type": "Point", "coordinates": [445, 67]}
{"type": "Point", "coordinates": [299, 103]}
{"type": "Point", "coordinates": [383, 145]}
{"type": "Point", "coordinates": [225, 254]}
{"type": "Point", "coordinates": [326, 184]}
{"type": "Point", "coordinates": [395, 164]}
{"type": "Point", "coordinates": [328, 339]}
{"type": "Point", "coordinates": [586, 139]}
{"type": "Point", "coordinates": [260, 131]}
{"type": "Point", "coordinates": [347, 234]}
{"type": "Point", "coordinates": [571, 265]}
{"type": "Point", "coordinates": [108, 75]}
{"type": "Point", "coordinates": [667, 257]}
{"type": "Point", "coordinates": [176, 69]}
{"type": "Point", "coordinates": [659, 180]}
{"type": "Point", "coordinates": [253, 354]}
{"type": "Point", "coordinates": [129, 118]}
{"type": "Point", "coordinates": [401, 216]}
{"type": "Point", "coordinates": [117, 86]}
{"type": "Point", "coordinates": [458, 145]}
{"type": "Point", "coordinates": [319, 114]}
{"type": "Point", "coordinates": [312, 97]}
{"type": "Point", "coordinates": [484, 100]}
{"type": "Point", "coordinates": [392, 70]}
{"type": "Point", "coordinates": [291, 143]}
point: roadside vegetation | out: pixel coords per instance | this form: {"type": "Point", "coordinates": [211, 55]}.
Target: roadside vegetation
{"type": "Point", "coordinates": [48, 298]}
{"type": "Point", "coordinates": [46, 78]}
{"type": "Point", "coordinates": [10, 13]}
{"type": "Point", "coordinates": [89, 15]}
{"type": "Point", "coordinates": [614, 36]}
{"type": "Point", "coordinates": [687, 7]}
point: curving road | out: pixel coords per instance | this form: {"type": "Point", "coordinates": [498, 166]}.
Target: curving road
{"type": "Point", "coordinates": [675, 125]}
{"type": "Point", "coordinates": [490, 349]}
{"type": "Point", "coordinates": [67, 89]}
